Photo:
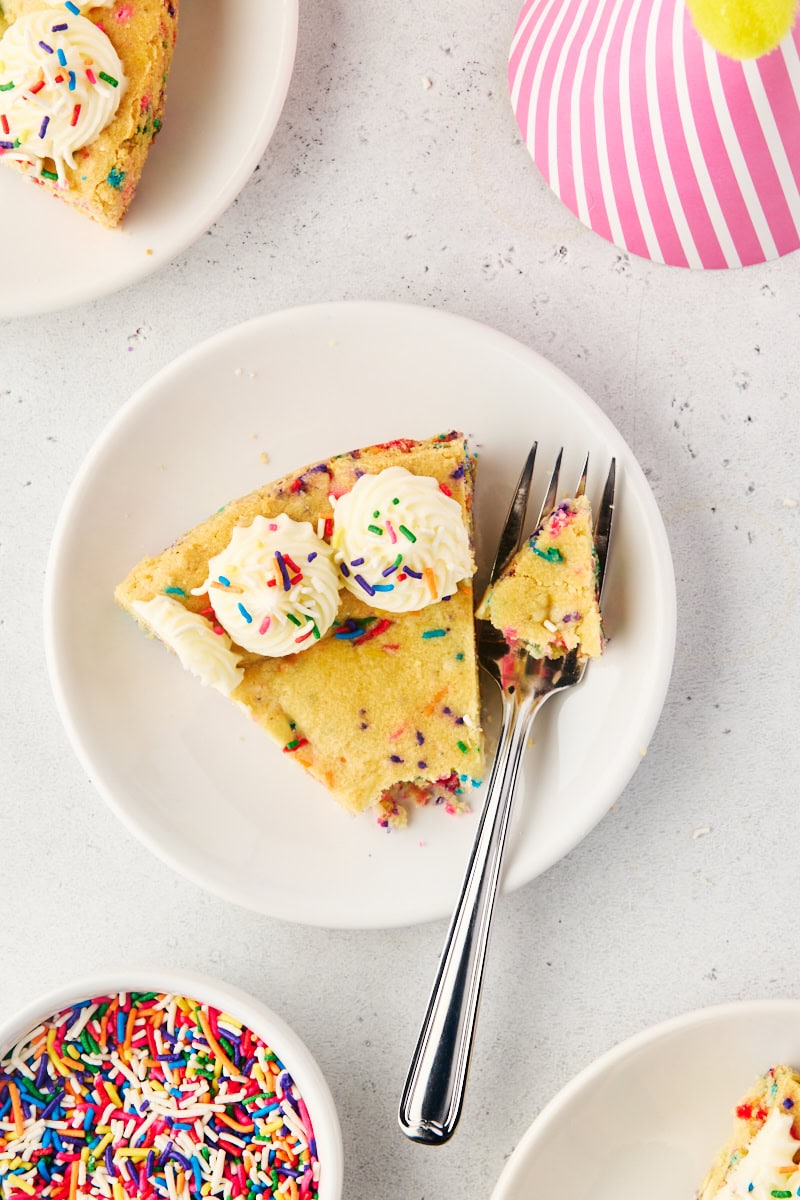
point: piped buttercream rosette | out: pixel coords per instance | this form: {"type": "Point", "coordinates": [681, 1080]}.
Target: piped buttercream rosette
{"type": "Point", "coordinates": [206, 654]}
{"type": "Point", "coordinates": [399, 541]}
{"type": "Point", "coordinates": [274, 588]}
{"type": "Point", "coordinates": [61, 81]}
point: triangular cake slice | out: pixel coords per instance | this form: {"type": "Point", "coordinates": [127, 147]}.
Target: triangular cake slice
{"type": "Point", "coordinates": [82, 94]}
{"type": "Point", "coordinates": [384, 705]}
{"type": "Point", "coordinates": [758, 1162]}
{"type": "Point", "coordinates": [547, 596]}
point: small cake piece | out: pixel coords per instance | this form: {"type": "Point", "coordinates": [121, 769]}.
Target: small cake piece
{"type": "Point", "coordinates": [335, 605]}
{"type": "Point", "coordinates": [547, 598]}
{"type": "Point", "coordinates": [759, 1160]}
{"type": "Point", "coordinates": [82, 93]}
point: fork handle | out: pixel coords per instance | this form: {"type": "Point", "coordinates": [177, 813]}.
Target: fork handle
{"type": "Point", "coordinates": [431, 1102]}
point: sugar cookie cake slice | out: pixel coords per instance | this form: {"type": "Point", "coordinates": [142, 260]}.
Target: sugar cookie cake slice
{"type": "Point", "coordinates": [547, 597]}
{"type": "Point", "coordinates": [82, 94]}
{"type": "Point", "coordinates": [335, 605]}
{"type": "Point", "coordinates": [759, 1161]}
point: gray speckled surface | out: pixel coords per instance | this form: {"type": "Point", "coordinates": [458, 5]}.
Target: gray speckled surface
{"type": "Point", "coordinates": [377, 187]}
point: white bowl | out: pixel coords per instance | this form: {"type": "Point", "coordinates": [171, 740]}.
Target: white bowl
{"type": "Point", "coordinates": [292, 1052]}
{"type": "Point", "coordinates": [648, 1117]}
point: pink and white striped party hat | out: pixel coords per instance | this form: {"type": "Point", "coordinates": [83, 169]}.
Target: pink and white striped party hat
{"type": "Point", "coordinates": [655, 141]}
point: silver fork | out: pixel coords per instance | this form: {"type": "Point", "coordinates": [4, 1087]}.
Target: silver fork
{"type": "Point", "coordinates": [430, 1105]}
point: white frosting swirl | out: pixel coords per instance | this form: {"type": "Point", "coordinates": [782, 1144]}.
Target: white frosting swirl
{"type": "Point", "coordinates": [60, 85]}
{"type": "Point", "coordinates": [206, 654]}
{"type": "Point", "coordinates": [768, 1167]}
{"type": "Point", "coordinates": [274, 587]}
{"type": "Point", "coordinates": [400, 542]}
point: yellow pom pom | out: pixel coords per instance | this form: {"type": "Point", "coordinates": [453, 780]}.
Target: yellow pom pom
{"type": "Point", "coordinates": [743, 28]}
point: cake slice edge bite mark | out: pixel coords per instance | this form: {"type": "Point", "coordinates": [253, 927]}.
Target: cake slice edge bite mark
{"type": "Point", "coordinates": [377, 697]}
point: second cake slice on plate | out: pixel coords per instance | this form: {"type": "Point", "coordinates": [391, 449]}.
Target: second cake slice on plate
{"type": "Point", "coordinates": [759, 1162]}
{"type": "Point", "coordinates": [82, 94]}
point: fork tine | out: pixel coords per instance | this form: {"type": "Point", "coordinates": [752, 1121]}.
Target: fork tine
{"type": "Point", "coordinates": [605, 519]}
{"type": "Point", "coordinates": [581, 488]}
{"type": "Point", "coordinates": [549, 502]}
{"type": "Point", "coordinates": [511, 537]}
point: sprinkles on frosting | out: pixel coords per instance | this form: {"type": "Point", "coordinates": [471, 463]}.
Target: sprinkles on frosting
{"type": "Point", "coordinates": [394, 530]}
{"type": "Point", "coordinates": [274, 586]}
{"type": "Point", "coordinates": [52, 101]}
{"type": "Point", "coordinates": [142, 1096]}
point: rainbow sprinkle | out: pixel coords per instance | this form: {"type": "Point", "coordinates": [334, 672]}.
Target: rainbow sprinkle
{"type": "Point", "coordinates": [295, 744]}
{"type": "Point", "coordinates": [360, 630]}
{"type": "Point", "coordinates": [551, 554]}
{"type": "Point", "coordinates": [142, 1096]}
{"type": "Point", "coordinates": [390, 574]}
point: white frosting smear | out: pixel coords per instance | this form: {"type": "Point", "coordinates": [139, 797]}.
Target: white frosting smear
{"type": "Point", "coordinates": [61, 82]}
{"type": "Point", "coordinates": [768, 1168]}
{"type": "Point", "coordinates": [274, 587]}
{"type": "Point", "coordinates": [206, 654]}
{"type": "Point", "coordinates": [400, 542]}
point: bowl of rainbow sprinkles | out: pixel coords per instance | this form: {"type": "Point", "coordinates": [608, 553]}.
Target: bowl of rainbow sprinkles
{"type": "Point", "coordinates": [162, 1086]}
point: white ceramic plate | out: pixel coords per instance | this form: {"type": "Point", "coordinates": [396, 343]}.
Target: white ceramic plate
{"type": "Point", "coordinates": [173, 758]}
{"type": "Point", "coordinates": [229, 79]}
{"type": "Point", "coordinates": [292, 1052]}
{"type": "Point", "coordinates": [648, 1118]}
